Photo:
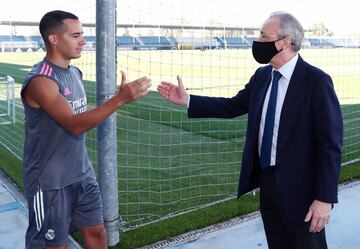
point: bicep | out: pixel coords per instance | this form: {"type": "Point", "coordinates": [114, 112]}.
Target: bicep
{"type": "Point", "coordinates": [44, 93]}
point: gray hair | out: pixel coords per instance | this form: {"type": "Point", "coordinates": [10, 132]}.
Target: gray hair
{"type": "Point", "coordinates": [289, 26]}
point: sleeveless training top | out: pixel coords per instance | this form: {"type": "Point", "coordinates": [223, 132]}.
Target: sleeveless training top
{"type": "Point", "coordinates": [54, 158]}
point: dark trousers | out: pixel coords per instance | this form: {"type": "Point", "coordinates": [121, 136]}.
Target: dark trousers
{"type": "Point", "coordinates": [281, 233]}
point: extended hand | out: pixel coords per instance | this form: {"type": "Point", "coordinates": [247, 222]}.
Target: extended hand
{"type": "Point", "coordinates": [175, 94]}
{"type": "Point", "coordinates": [129, 92]}
{"type": "Point", "coordinates": [319, 214]}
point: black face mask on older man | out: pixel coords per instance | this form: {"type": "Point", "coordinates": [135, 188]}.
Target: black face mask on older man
{"type": "Point", "coordinates": [263, 52]}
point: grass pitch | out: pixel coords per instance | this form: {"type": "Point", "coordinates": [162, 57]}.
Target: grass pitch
{"type": "Point", "coordinates": [169, 164]}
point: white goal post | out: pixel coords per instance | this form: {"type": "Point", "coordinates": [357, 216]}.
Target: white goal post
{"type": "Point", "coordinates": [7, 100]}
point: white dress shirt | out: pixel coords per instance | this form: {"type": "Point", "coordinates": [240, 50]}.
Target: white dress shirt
{"type": "Point", "coordinates": [286, 72]}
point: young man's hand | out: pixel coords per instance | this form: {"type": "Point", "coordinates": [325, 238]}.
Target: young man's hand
{"type": "Point", "coordinates": [132, 91]}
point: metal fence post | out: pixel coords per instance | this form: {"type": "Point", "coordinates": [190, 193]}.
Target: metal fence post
{"type": "Point", "coordinates": [106, 132]}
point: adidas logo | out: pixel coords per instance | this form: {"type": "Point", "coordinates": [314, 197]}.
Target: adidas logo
{"type": "Point", "coordinates": [67, 91]}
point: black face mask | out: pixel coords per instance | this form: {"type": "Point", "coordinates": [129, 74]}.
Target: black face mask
{"type": "Point", "coordinates": [263, 52]}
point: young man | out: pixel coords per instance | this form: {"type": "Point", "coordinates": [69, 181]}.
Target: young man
{"type": "Point", "coordinates": [293, 140]}
{"type": "Point", "coordinates": [59, 180]}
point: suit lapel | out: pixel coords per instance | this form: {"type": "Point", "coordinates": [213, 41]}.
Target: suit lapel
{"type": "Point", "coordinates": [292, 103]}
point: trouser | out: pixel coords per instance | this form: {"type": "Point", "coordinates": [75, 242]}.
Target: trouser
{"type": "Point", "coordinates": [281, 232]}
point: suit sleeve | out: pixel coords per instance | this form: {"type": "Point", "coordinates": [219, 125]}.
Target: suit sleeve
{"type": "Point", "coordinates": [219, 107]}
{"type": "Point", "coordinates": [328, 125]}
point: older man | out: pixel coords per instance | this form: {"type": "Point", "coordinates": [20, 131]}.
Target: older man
{"type": "Point", "coordinates": [294, 135]}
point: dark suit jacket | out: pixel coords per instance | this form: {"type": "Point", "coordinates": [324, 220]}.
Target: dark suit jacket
{"type": "Point", "coordinates": [309, 139]}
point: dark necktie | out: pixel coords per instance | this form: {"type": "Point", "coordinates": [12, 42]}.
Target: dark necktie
{"type": "Point", "coordinates": [265, 152]}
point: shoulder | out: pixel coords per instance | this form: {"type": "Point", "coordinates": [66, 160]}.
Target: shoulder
{"type": "Point", "coordinates": [261, 74]}
{"type": "Point", "coordinates": [320, 84]}
{"type": "Point", "coordinates": [36, 70]}
{"type": "Point", "coordinates": [314, 73]}
{"type": "Point", "coordinates": [263, 70]}
{"type": "Point", "coordinates": [41, 73]}
{"type": "Point", "coordinates": [38, 88]}
{"type": "Point", "coordinates": [41, 69]}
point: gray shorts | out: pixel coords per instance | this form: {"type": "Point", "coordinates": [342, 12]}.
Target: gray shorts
{"type": "Point", "coordinates": [54, 214]}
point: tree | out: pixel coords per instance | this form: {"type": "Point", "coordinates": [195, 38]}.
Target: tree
{"type": "Point", "coordinates": [319, 29]}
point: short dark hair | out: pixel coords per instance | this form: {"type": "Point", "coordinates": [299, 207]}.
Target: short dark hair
{"type": "Point", "coordinates": [52, 21]}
